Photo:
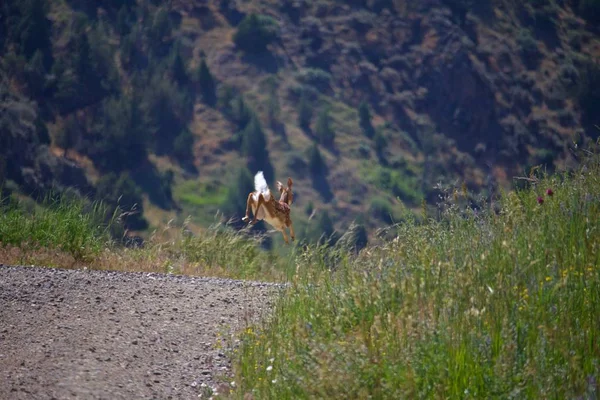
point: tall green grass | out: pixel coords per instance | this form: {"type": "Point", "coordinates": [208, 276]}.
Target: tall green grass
{"type": "Point", "coordinates": [477, 304]}
{"type": "Point", "coordinates": [67, 225]}
{"type": "Point", "coordinates": [44, 233]}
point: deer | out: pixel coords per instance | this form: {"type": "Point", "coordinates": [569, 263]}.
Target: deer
{"type": "Point", "coordinates": [265, 207]}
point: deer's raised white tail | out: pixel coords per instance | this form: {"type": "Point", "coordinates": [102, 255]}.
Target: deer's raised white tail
{"type": "Point", "coordinates": [261, 186]}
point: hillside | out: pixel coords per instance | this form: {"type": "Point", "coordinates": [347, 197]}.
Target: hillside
{"type": "Point", "coordinates": [368, 104]}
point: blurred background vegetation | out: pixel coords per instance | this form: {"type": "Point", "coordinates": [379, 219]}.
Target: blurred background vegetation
{"type": "Point", "coordinates": [168, 108]}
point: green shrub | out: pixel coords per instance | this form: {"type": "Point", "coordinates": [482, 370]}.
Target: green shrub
{"type": "Point", "coordinates": [528, 47]}
{"type": "Point", "coordinates": [381, 209]}
{"type": "Point", "coordinates": [59, 223]}
{"type": "Point", "coordinates": [315, 77]}
{"type": "Point", "coordinates": [255, 33]}
{"type": "Point", "coordinates": [122, 193]}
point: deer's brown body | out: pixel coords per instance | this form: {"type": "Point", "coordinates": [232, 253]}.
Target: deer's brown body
{"type": "Point", "coordinates": [274, 212]}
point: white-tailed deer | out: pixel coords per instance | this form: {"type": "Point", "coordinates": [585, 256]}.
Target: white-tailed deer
{"type": "Point", "coordinates": [265, 207]}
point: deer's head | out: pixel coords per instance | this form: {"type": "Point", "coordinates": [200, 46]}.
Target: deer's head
{"type": "Point", "coordinates": [286, 192]}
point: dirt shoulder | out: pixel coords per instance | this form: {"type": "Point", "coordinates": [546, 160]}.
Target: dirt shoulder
{"type": "Point", "coordinates": [114, 335]}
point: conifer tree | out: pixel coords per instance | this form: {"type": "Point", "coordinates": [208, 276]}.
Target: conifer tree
{"type": "Point", "coordinates": [364, 115]}
{"type": "Point", "coordinates": [323, 129]}
{"type": "Point", "coordinates": [254, 147]}
{"type": "Point", "coordinates": [207, 84]}
{"type": "Point", "coordinates": [305, 112]}
{"type": "Point", "coordinates": [316, 165]}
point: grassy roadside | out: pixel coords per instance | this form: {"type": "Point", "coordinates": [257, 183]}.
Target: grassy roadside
{"type": "Point", "coordinates": [477, 304]}
{"type": "Point", "coordinates": [75, 234]}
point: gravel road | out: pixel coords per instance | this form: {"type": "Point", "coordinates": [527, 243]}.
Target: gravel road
{"type": "Point", "coordinates": [114, 335]}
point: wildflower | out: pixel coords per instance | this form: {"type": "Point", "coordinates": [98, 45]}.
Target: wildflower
{"type": "Point", "coordinates": [270, 368]}
{"type": "Point", "coordinates": [540, 200]}
{"type": "Point", "coordinates": [549, 192]}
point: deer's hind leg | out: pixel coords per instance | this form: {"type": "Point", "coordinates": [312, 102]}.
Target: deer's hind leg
{"type": "Point", "coordinates": [249, 203]}
{"type": "Point", "coordinates": [260, 202]}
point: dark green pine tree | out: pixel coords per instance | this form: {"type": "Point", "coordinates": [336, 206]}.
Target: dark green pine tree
{"type": "Point", "coordinates": [35, 30]}
{"type": "Point", "coordinates": [240, 112]}
{"type": "Point", "coordinates": [316, 165]}
{"type": "Point", "coordinates": [364, 115]}
{"type": "Point", "coordinates": [35, 74]}
{"type": "Point", "coordinates": [254, 148]}
{"type": "Point", "coordinates": [123, 21]}
{"type": "Point", "coordinates": [323, 129]}
{"type": "Point", "coordinates": [83, 60]}
{"type": "Point", "coordinates": [177, 68]}
{"type": "Point", "coordinates": [207, 84]}
{"type": "Point", "coordinates": [305, 112]}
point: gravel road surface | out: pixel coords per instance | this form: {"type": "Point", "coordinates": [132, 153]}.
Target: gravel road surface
{"type": "Point", "coordinates": [78, 334]}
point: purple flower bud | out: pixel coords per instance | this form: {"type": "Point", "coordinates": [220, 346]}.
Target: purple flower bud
{"type": "Point", "coordinates": [540, 200]}
{"type": "Point", "coordinates": [549, 192]}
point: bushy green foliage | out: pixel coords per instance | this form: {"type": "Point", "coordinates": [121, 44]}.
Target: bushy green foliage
{"type": "Point", "coordinates": [35, 75]}
{"type": "Point", "coordinates": [316, 77]}
{"type": "Point", "coordinates": [33, 30]}
{"type": "Point", "coordinates": [122, 193]}
{"type": "Point", "coordinates": [240, 112]}
{"type": "Point", "coordinates": [381, 209]}
{"type": "Point", "coordinates": [123, 134]}
{"type": "Point", "coordinates": [528, 47]}
{"type": "Point", "coordinates": [61, 224]}
{"type": "Point", "coordinates": [396, 181]}
{"type": "Point", "coordinates": [87, 73]}
{"type": "Point", "coordinates": [478, 304]}
{"type": "Point", "coordinates": [168, 109]}
{"type": "Point", "coordinates": [255, 33]}
{"type": "Point", "coordinates": [183, 147]}
{"type": "Point", "coordinates": [161, 27]}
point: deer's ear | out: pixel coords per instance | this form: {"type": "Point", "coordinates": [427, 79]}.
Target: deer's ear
{"type": "Point", "coordinates": [279, 186]}
{"type": "Point", "coordinates": [290, 182]}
